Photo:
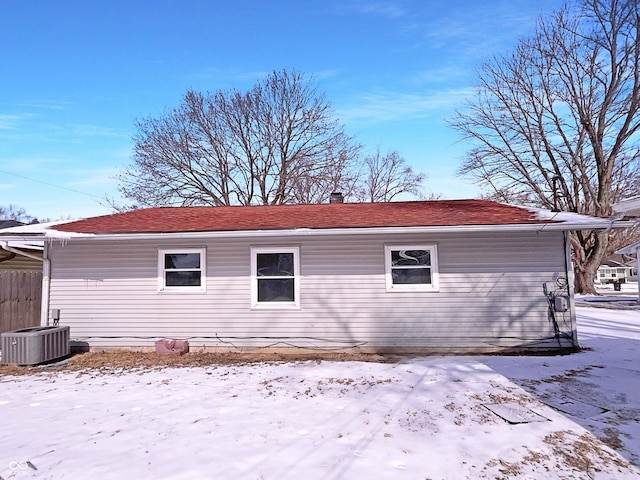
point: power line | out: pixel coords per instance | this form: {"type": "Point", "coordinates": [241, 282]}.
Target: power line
{"type": "Point", "coordinates": [53, 185]}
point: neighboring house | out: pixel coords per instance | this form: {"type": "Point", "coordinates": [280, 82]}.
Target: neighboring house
{"type": "Point", "coordinates": [614, 272]}
{"type": "Point", "coordinates": [633, 250]}
{"type": "Point", "coordinates": [435, 276]}
{"type": "Point", "coordinates": [627, 261]}
{"type": "Point", "coordinates": [630, 209]}
{"type": "Point", "coordinates": [15, 261]}
{"type": "Point", "coordinates": [20, 283]}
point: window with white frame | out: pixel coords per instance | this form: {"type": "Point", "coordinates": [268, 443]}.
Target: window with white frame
{"type": "Point", "coordinates": [411, 268]}
{"type": "Point", "coordinates": [181, 269]}
{"type": "Point", "coordinates": [275, 277]}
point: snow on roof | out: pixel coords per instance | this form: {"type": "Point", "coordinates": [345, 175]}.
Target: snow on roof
{"type": "Point", "coordinates": [9, 223]}
{"type": "Point", "coordinates": [36, 230]}
{"type": "Point", "coordinates": [441, 214]}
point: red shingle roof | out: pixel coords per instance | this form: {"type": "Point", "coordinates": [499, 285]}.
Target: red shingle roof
{"type": "Point", "coordinates": [318, 216]}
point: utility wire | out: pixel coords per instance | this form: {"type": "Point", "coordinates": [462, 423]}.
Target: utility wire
{"type": "Point", "coordinates": [53, 185]}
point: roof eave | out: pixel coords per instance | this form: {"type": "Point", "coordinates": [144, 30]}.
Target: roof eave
{"type": "Point", "coordinates": [557, 226]}
{"type": "Point", "coordinates": [629, 206]}
{"type": "Point", "coordinates": [632, 249]}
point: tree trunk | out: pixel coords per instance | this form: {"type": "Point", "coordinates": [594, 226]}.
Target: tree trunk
{"type": "Point", "coordinates": [588, 252]}
{"type": "Point", "coordinates": [584, 282]}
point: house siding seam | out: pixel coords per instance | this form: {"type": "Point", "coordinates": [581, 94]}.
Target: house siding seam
{"type": "Point", "coordinates": [490, 294]}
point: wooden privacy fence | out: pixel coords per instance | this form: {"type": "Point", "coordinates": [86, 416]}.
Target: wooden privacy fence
{"type": "Point", "coordinates": [20, 299]}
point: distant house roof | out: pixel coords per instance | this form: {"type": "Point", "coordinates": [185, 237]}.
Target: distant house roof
{"type": "Point", "coordinates": [9, 224]}
{"type": "Point", "coordinates": [431, 215]}
{"type": "Point", "coordinates": [613, 264]}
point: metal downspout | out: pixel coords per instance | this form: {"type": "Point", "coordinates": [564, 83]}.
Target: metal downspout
{"type": "Point", "coordinates": [46, 284]}
{"type": "Point", "coordinates": [638, 270]}
{"type": "Point", "coordinates": [46, 279]}
{"type": "Point", "coordinates": [568, 266]}
{"type": "Point", "coordinates": [612, 220]}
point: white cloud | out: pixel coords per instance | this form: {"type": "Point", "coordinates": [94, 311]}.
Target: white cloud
{"type": "Point", "coordinates": [86, 130]}
{"type": "Point", "coordinates": [45, 105]}
{"type": "Point", "coordinates": [11, 122]}
{"type": "Point", "coordinates": [473, 30]}
{"type": "Point", "coordinates": [391, 106]}
{"type": "Point", "coordinates": [242, 80]}
{"type": "Point", "coordinates": [442, 74]}
{"type": "Point", "coordinates": [91, 177]}
{"type": "Point", "coordinates": [381, 8]}
{"type": "Point", "coordinates": [228, 77]}
{"type": "Point", "coordinates": [323, 74]}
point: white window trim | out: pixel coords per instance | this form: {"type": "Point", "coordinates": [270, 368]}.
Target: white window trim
{"type": "Point", "coordinates": [296, 278]}
{"type": "Point", "coordinates": [162, 287]}
{"type": "Point", "coordinates": [434, 286]}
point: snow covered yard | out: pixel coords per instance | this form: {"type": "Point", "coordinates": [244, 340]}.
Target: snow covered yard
{"type": "Point", "coordinates": [425, 418]}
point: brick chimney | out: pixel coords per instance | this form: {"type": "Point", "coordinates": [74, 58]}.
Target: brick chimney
{"type": "Point", "coordinates": [336, 197]}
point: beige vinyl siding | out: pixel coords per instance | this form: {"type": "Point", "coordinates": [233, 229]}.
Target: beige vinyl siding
{"type": "Point", "coordinates": [490, 293]}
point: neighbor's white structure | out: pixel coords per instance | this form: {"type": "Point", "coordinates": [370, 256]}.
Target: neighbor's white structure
{"type": "Point", "coordinates": [437, 276]}
{"type": "Point", "coordinates": [630, 208]}
{"type": "Point", "coordinates": [612, 272]}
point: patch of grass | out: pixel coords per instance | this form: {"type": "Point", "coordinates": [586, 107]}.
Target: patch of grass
{"type": "Point", "coordinates": [118, 362]}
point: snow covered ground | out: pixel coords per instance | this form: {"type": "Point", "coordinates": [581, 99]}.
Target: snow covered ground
{"type": "Point", "coordinates": [426, 418]}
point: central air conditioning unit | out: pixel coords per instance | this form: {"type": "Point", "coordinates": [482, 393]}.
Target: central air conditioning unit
{"type": "Point", "coordinates": [30, 346]}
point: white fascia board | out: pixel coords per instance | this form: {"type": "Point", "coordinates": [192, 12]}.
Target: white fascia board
{"type": "Point", "coordinates": [595, 224]}
{"type": "Point", "coordinates": [38, 239]}
{"type": "Point", "coordinates": [556, 221]}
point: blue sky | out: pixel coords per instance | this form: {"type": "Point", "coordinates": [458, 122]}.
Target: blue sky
{"type": "Point", "coordinates": [76, 74]}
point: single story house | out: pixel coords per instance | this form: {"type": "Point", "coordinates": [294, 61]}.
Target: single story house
{"type": "Point", "coordinates": [630, 209]}
{"type": "Point", "coordinates": [425, 276]}
{"type": "Point", "coordinates": [611, 271]}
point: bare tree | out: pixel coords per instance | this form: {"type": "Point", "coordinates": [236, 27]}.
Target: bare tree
{"type": "Point", "coordinates": [339, 175]}
{"type": "Point", "coordinates": [13, 212]}
{"type": "Point", "coordinates": [277, 143]}
{"type": "Point", "coordinates": [384, 177]}
{"type": "Point", "coordinates": [555, 122]}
